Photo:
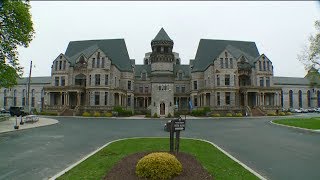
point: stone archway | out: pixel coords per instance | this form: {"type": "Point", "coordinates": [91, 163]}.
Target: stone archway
{"type": "Point", "coordinates": [162, 109]}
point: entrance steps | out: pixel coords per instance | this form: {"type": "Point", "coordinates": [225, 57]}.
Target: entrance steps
{"type": "Point", "coordinates": [256, 111]}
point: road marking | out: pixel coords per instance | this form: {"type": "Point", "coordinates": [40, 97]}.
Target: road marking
{"type": "Point", "coordinates": [216, 146]}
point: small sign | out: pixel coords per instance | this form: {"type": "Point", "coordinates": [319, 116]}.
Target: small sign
{"type": "Point", "coordinates": [179, 125]}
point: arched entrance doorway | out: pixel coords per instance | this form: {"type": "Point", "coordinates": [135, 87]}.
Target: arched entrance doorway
{"type": "Point", "coordinates": [162, 109]}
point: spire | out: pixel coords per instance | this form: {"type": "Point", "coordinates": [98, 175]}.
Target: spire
{"type": "Point", "coordinates": [162, 36]}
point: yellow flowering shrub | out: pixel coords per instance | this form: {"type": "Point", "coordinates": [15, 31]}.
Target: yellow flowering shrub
{"type": "Point", "coordinates": [96, 114]}
{"type": "Point", "coordinates": [158, 165]}
{"type": "Point", "coordinates": [216, 115]}
{"type": "Point", "coordinates": [86, 114]}
{"type": "Point", "coordinates": [228, 115]}
{"type": "Point", "coordinates": [108, 114]}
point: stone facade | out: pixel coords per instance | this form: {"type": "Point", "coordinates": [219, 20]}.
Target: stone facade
{"type": "Point", "coordinates": [226, 76]}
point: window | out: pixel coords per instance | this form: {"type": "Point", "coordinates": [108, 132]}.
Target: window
{"type": "Point", "coordinates": [63, 81]}
{"type": "Point", "coordinates": [180, 76]}
{"type": "Point", "coordinates": [300, 98]}
{"type": "Point", "coordinates": [281, 98]}
{"type": "Point", "coordinates": [32, 97]}
{"type": "Point", "coordinates": [183, 89]}
{"type": "Point", "coordinates": [129, 100]}
{"type": "Point", "coordinates": [15, 97]}
{"type": "Point", "coordinates": [226, 63]}
{"type": "Point", "coordinates": [177, 89]}
{"type": "Point", "coordinates": [268, 64]}
{"type": "Point", "coordinates": [141, 89]}
{"type": "Point", "coordinates": [98, 63]}
{"type": "Point", "coordinates": [309, 98]}
{"type": "Point", "coordinates": [97, 79]}
{"type": "Point", "coordinates": [90, 80]}
{"type": "Point", "coordinates": [105, 98]}
{"type": "Point", "coordinates": [97, 98]}
{"type": "Point", "coordinates": [144, 76]}
{"type": "Point", "coordinates": [23, 102]}
{"type": "Point", "coordinates": [218, 80]}
{"type": "Point", "coordinates": [159, 88]}
{"type": "Point", "coordinates": [231, 63]}
{"type": "Point", "coordinates": [56, 66]}
{"type": "Point", "coordinates": [129, 85]}
{"type": "Point", "coordinates": [64, 65]}
{"type": "Point", "coordinates": [218, 98]}
{"type": "Point", "coordinates": [106, 79]}
{"type": "Point", "coordinates": [98, 56]}
{"type": "Point", "coordinates": [60, 65]}
{"type": "Point", "coordinates": [227, 80]}
{"type": "Point", "coordinates": [5, 97]}
{"type": "Point", "coordinates": [267, 81]}
{"type": "Point", "coordinates": [260, 66]}
{"type": "Point", "coordinates": [56, 81]}
{"type": "Point", "coordinates": [93, 62]}
{"type": "Point", "coordinates": [227, 98]}
{"type": "Point", "coordinates": [195, 101]}
{"type": "Point", "coordinates": [261, 81]}
{"type": "Point", "coordinates": [264, 65]}
{"type": "Point", "coordinates": [115, 81]}
{"type": "Point", "coordinates": [146, 89]}
{"type": "Point", "coordinates": [102, 62]}
{"type": "Point", "coordinates": [221, 63]}
{"type": "Point", "coordinates": [195, 85]}
{"type": "Point", "coordinates": [291, 98]}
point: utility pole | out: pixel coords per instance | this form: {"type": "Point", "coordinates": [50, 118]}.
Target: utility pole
{"type": "Point", "coordinates": [28, 90]}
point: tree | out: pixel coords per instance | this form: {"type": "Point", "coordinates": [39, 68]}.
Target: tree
{"type": "Point", "coordinates": [16, 29]}
{"type": "Point", "coordinates": [310, 55]}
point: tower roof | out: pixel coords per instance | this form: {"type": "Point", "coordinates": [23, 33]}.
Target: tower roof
{"type": "Point", "coordinates": [162, 36]}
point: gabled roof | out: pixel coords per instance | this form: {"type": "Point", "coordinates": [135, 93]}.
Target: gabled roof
{"type": "Point", "coordinates": [115, 49]}
{"type": "Point", "coordinates": [210, 49]}
{"type": "Point", "coordinates": [34, 80]}
{"type": "Point", "coordinates": [162, 36]}
{"type": "Point", "coordinates": [183, 67]}
{"type": "Point", "coordinates": [140, 68]}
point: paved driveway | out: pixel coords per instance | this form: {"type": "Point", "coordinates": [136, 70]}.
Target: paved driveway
{"type": "Point", "coordinates": [273, 151]}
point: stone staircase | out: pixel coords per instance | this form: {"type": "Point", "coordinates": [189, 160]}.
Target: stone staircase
{"type": "Point", "coordinates": [257, 112]}
{"type": "Point", "coordinates": [67, 112]}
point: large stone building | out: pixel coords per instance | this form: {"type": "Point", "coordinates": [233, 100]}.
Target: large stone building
{"type": "Point", "coordinates": [226, 76]}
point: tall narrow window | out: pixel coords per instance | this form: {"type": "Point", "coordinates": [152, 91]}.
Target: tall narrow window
{"type": "Point", "coordinates": [177, 89]}
{"type": "Point", "coordinates": [146, 89]}
{"type": "Point", "coordinates": [218, 80]}
{"type": "Point", "coordinates": [32, 97]}
{"type": "Point", "coordinates": [15, 97]}
{"type": "Point", "coordinates": [267, 81]}
{"type": "Point", "coordinates": [291, 99]}
{"type": "Point", "coordinates": [5, 103]}
{"type": "Point", "coordinates": [141, 89]}
{"type": "Point", "coordinates": [97, 98]}
{"type": "Point", "coordinates": [300, 98]}
{"type": "Point", "coordinates": [129, 85]}
{"type": "Point", "coordinates": [102, 62]}
{"type": "Point", "coordinates": [63, 81]}
{"type": "Point", "coordinates": [23, 102]}
{"type": "Point", "coordinates": [221, 63]}
{"type": "Point", "coordinates": [309, 98]}
{"type": "Point", "coordinates": [195, 101]}
{"type": "Point", "coordinates": [183, 89]}
{"type": "Point", "coordinates": [129, 100]}
{"type": "Point", "coordinates": [97, 79]}
{"type": "Point", "coordinates": [260, 68]}
{"type": "Point", "coordinates": [105, 98]}
{"type": "Point", "coordinates": [264, 65]}
{"type": "Point", "coordinates": [56, 81]}
{"type": "Point", "coordinates": [56, 66]}
{"type": "Point", "coordinates": [93, 62]}
{"type": "Point", "coordinates": [64, 65]}
{"type": "Point", "coordinates": [115, 81]}
{"type": "Point", "coordinates": [106, 79]}
{"type": "Point", "coordinates": [60, 65]}
{"type": "Point", "coordinates": [98, 63]}
{"type": "Point", "coordinates": [180, 76]}
{"type": "Point", "coordinates": [195, 85]}
{"type": "Point", "coordinates": [261, 81]}
{"type": "Point", "coordinates": [227, 98]}
{"type": "Point", "coordinates": [231, 63]}
{"type": "Point", "coordinates": [218, 98]}
{"type": "Point", "coordinates": [90, 80]}
{"type": "Point", "coordinates": [268, 66]}
{"type": "Point", "coordinates": [227, 80]}
{"type": "Point", "coordinates": [226, 63]}
{"type": "Point", "coordinates": [98, 56]}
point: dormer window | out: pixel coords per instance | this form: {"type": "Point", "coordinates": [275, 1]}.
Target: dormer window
{"type": "Point", "coordinates": [144, 76]}
{"type": "Point", "coordinates": [226, 54]}
{"type": "Point", "coordinates": [60, 57]}
{"type": "Point", "coordinates": [81, 60]}
{"type": "Point", "coordinates": [180, 75]}
{"type": "Point", "coordinates": [177, 61]}
{"type": "Point", "coordinates": [98, 56]}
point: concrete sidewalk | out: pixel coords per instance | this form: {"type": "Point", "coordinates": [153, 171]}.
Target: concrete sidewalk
{"type": "Point", "coordinates": [8, 125]}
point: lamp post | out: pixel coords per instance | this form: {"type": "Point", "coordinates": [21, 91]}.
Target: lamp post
{"type": "Point", "coordinates": [28, 90]}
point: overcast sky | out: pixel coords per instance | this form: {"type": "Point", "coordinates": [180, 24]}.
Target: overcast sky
{"type": "Point", "coordinates": [280, 29]}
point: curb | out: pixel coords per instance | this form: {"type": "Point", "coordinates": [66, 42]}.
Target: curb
{"type": "Point", "coordinates": [216, 146]}
{"type": "Point", "coordinates": [305, 129]}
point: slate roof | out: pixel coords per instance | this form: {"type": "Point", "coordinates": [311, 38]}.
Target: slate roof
{"type": "Point", "coordinates": [184, 68]}
{"type": "Point", "coordinates": [290, 81]}
{"type": "Point", "coordinates": [139, 68]}
{"type": "Point", "coordinates": [35, 80]}
{"type": "Point", "coordinates": [115, 49]}
{"type": "Point", "coordinates": [162, 36]}
{"type": "Point", "coordinates": [210, 49]}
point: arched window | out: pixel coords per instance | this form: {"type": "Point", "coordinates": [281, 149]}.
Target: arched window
{"type": "Point", "coordinates": [81, 60]}
{"type": "Point", "coordinates": [15, 97]}
{"type": "Point", "coordinates": [32, 98]}
{"type": "Point", "coordinates": [291, 99]}
{"type": "Point", "coordinates": [309, 98]}
{"type": "Point", "coordinates": [300, 98]}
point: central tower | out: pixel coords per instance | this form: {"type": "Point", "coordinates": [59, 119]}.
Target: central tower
{"type": "Point", "coordinates": [162, 78]}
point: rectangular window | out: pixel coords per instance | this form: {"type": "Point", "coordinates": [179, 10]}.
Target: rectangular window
{"type": "Point", "coordinates": [129, 100]}
{"type": "Point", "coordinates": [23, 101]}
{"type": "Point", "coordinates": [97, 79]}
{"type": "Point", "coordinates": [60, 65]}
{"type": "Point", "coordinates": [231, 63]}
{"type": "Point", "coordinates": [146, 89]}
{"type": "Point", "coordinates": [218, 80]}
{"type": "Point", "coordinates": [98, 56]}
{"type": "Point", "coordinates": [221, 63]}
{"type": "Point", "coordinates": [195, 101]}
{"type": "Point", "coordinates": [32, 101]}
{"type": "Point", "coordinates": [15, 101]}
{"type": "Point", "coordinates": [267, 82]}
{"type": "Point", "coordinates": [226, 63]}
{"type": "Point", "coordinates": [264, 65]}
{"type": "Point", "coordinates": [102, 62]}
{"type": "Point", "coordinates": [63, 81]}
{"type": "Point", "coordinates": [97, 98]}
{"type": "Point", "coordinates": [106, 79]}
{"type": "Point", "coordinates": [5, 101]}
{"type": "Point", "coordinates": [64, 65]}
{"type": "Point", "coordinates": [56, 81]}
{"type": "Point", "coordinates": [227, 80]}
{"type": "Point", "coordinates": [183, 89]}
{"type": "Point", "coordinates": [218, 98]}
{"type": "Point", "coordinates": [268, 66]}
{"type": "Point", "coordinates": [93, 62]}
{"type": "Point", "coordinates": [105, 98]}
{"type": "Point", "coordinates": [56, 66]}
{"type": "Point", "coordinates": [227, 98]}
{"type": "Point", "coordinates": [98, 63]}
{"type": "Point", "coordinates": [144, 76]}
{"type": "Point", "coordinates": [180, 76]}
{"type": "Point", "coordinates": [177, 89]}
{"type": "Point", "coordinates": [260, 68]}
{"type": "Point", "coordinates": [159, 88]}
{"type": "Point", "coordinates": [129, 85]}
{"type": "Point", "coordinates": [89, 80]}
{"type": "Point", "coordinates": [195, 85]}
{"type": "Point", "coordinates": [261, 82]}
{"type": "Point", "coordinates": [141, 89]}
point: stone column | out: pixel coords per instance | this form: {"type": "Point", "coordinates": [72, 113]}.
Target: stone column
{"type": "Point", "coordinates": [204, 99]}
{"type": "Point", "coordinates": [78, 98]}
{"type": "Point", "coordinates": [245, 98]}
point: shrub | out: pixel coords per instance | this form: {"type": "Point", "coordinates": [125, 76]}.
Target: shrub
{"type": "Point", "coordinates": [86, 114]}
{"type": "Point", "coordinates": [169, 116]}
{"type": "Point", "coordinates": [155, 115]}
{"type": "Point", "coordinates": [122, 112]}
{"type": "Point", "coordinates": [228, 115]}
{"type": "Point", "coordinates": [148, 115]}
{"type": "Point", "coordinates": [288, 113]}
{"type": "Point", "coordinates": [108, 114]}
{"type": "Point", "coordinates": [272, 114]}
{"type": "Point", "coordinates": [216, 115]}
{"type": "Point", "coordinates": [96, 114]}
{"type": "Point", "coordinates": [282, 114]}
{"type": "Point", "coordinates": [158, 166]}
{"type": "Point", "coordinates": [238, 114]}
{"type": "Point", "coordinates": [48, 113]}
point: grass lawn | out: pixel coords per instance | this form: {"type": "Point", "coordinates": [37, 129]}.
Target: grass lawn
{"type": "Point", "coordinates": [308, 123]}
{"type": "Point", "coordinates": [218, 164]}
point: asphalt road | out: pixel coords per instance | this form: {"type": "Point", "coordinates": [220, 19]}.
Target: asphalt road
{"type": "Point", "coordinates": [274, 152]}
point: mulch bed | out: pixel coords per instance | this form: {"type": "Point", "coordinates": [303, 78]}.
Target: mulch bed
{"type": "Point", "coordinates": [125, 169]}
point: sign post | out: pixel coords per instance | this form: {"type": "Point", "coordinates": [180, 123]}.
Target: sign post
{"type": "Point", "coordinates": [175, 126]}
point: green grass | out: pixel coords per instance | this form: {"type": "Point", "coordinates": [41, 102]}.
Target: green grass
{"type": "Point", "coordinates": [218, 164]}
{"type": "Point", "coordinates": [308, 123]}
